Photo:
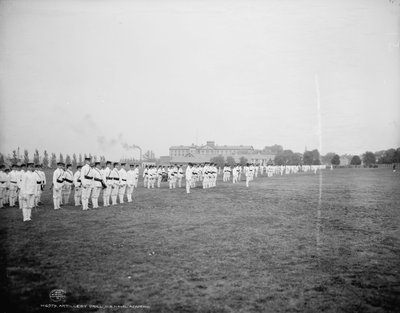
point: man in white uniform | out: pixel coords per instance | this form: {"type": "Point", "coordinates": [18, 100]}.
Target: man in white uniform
{"type": "Point", "coordinates": [58, 183]}
{"type": "Point", "coordinates": [68, 181]}
{"type": "Point", "coordinates": [98, 184]}
{"type": "Point", "coordinates": [115, 185]}
{"type": "Point", "coordinates": [87, 183]}
{"type": "Point", "coordinates": [13, 176]}
{"type": "Point", "coordinates": [3, 185]}
{"type": "Point", "coordinates": [122, 183]}
{"type": "Point", "coordinates": [109, 182]}
{"type": "Point", "coordinates": [78, 186]}
{"type": "Point", "coordinates": [130, 182]}
{"type": "Point", "coordinates": [188, 177]}
{"type": "Point", "coordinates": [28, 189]}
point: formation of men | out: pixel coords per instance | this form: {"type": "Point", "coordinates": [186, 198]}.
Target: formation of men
{"type": "Point", "coordinates": [23, 184]}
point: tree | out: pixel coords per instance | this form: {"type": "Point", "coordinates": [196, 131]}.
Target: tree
{"type": "Point", "coordinates": [26, 156]}
{"type": "Point", "coordinates": [279, 160]}
{"type": "Point", "coordinates": [95, 158]}
{"type": "Point", "coordinates": [53, 160]}
{"type": "Point", "coordinates": [61, 158]}
{"type": "Point", "coordinates": [103, 159]}
{"type": "Point", "coordinates": [230, 161]}
{"type": "Point", "coordinates": [396, 156]}
{"type": "Point", "coordinates": [275, 149]}
{"type": "Point", "coordinates": [74, 162]}
{"type": "Point", "coordinates": [14, 159]}
{"type": "Point", "coordinates": [36, 157]}
{"type": "Point", "coordinates": [316, 157]}
{"type": "Point", "coordinates": [355, 160]}
{"type": "Point", "coordinates": [67, 159]}
{"type": "Point", "coordinates": [369, 158]}
{"type": "Point", "coordinates": [1, 159]}
{"type": "Point", "coordinates": [243, 161]}
{"type": "Point", "coordinates": [295, 159]}
{"type": "Point", "coordinates": [45, 159]}
{"type": "Point", "coordinates": [327, 158]}
{"type": "Point", "coordinates": [308, 158]}
{"type": "Point", "coordinates": [335, 160]}
{"type": "Point", "coordinates": [219, 160]}
{"type": "Point", "coordinates": [80, 159]}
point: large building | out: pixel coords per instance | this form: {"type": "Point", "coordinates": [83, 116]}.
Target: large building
{"type": "Point", "coordinates": [204, 153]}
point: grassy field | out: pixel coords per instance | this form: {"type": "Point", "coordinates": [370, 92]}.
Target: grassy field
{"type": "Point", "coordinates": [298, 243]}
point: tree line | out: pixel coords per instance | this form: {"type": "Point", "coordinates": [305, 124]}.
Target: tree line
{"type": "Point", "coordinates": [281, 157]}
{"type": "Point", "coordinates": [49, 160]}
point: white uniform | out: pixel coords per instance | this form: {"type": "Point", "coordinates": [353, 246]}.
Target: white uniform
{"type": "Point", "coordinates": [28, 192]}
{"type": "Point", "coordinates": [3, 187]}
{"type": "Point", "coordinates": [115, 185]}
{"type": "Point", "coordinates": [152, 173]}
{"type": "Point", "coordinates": [145, 177]}
{"type": "Point", "coordinates": [97, 186]}
{"type": "Point", "coordinates": [159, 176]}
{"type": "Point", "coordinates": [109, 182]}
{"type": "Point", "coordinates": [68, 181]}
{"type": "Point", "coordinates": [58, 183]}
{"type": "Point", "coordinates": [180, 176]}
{"type": "Point", "coordinates": [78, 188]}
{"type": "Point", "coordinates": [122, 185]}
{"type": "Point", "coordinates": [87, 185]}
{"type": "Point", "coordinates": [188, 177]}
{"type": "Point", "coordinates": [13, 176]}
{"type": "Point", "coordinates": [136, 176]}
{"type": "Point", "coordinates": [43, 184]}
{"type": "Point", "coordinates": [38, 186]}
{"type": "Point", "coordinates": [130, 183]}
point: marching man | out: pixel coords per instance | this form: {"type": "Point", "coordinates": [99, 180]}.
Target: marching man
{"type": "Point", "coordinates": [78, 186]}
{"type": "Point", "coordinates": [13, 175]}
{"type": "Point", "coordinates": [115, 185]}
{"type": "Point", "coordinates": [28, 192]}
{"type": "Point", "coordinates": [130, 182]}
{"type": "Point", "coordinates": [122, 183]}
{"type": "Point", "coordinates": [188, 176]}
{"type": "Point", "coordinates": [68, 181]}
{"type": "Point", "coordinates": [87, 183]}
{"type": "Point", "coordinates": [3, 185]}
{"type": "Point", "coordinates": [58, 183]}
{"type": "Point", "coordinates": [136, 175]}
{"type": "Point", "coordinates": [109, 182]}
{"type": "Point", "coordinates": [180, 176]}
{"type": "Point", "coordinates": [98, 184]}
{"type": "Point", "coordinates": [159, 176]}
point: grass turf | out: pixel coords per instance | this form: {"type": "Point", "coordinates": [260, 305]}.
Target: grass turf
{"type": "Point", "coordinates": [277, 246]}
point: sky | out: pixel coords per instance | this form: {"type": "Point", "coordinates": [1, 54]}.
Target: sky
{"type": "Point", "coordinates": [101, 77]}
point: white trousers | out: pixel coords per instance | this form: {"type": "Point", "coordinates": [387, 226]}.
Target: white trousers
{"type": "Point", "coordinates": [56, 198]}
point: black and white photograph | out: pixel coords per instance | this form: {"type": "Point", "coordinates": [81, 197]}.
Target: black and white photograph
{"type": "Point", "coordinates": [200, 156]}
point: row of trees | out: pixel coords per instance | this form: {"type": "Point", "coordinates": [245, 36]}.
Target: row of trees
{"type": "Point", "coordinates": [50, 160]}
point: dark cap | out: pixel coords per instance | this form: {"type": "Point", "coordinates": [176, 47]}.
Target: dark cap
{"type": "Point", "coordinates": [115, 163]}
{"type": "Point", "coordinates": [79, 166]}
{"type": "Point", "coordinates": [69, 164]}
{"type": "Point", "coordinates": [96, 163]}
{"type": "Point", "coordinates": [87, 159]}
{"type": "Point", "coordinates": [60, 163]}
{"type": "Point", "coordinates": [108, 162]}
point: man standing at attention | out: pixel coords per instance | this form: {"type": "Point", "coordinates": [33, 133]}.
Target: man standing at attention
{"type": "Point", "coordinates": [130, 182]}
{"type": "Point", "coordinates": [58, 183]}
{"type": "Point", "coordinates": [28, 192]}
{"type": "Point", "coordinates": [87, 183]}
{"type": "Point", "coordinates": [188, 177]}
{"type": "Point", "coordinates": [78, 186]}
{"type": "Point", "coordinates": [122, 183]}
{"type": "Point", "coordinates": [68, 181]}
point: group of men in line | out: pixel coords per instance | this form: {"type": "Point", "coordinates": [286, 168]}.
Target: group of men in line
{"type": "Point", "coordinates": [22, 186]}
{"type": "Point", "coordinates": [24, 183]}
{"type": "Point", "coordinates": [90, 179]}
